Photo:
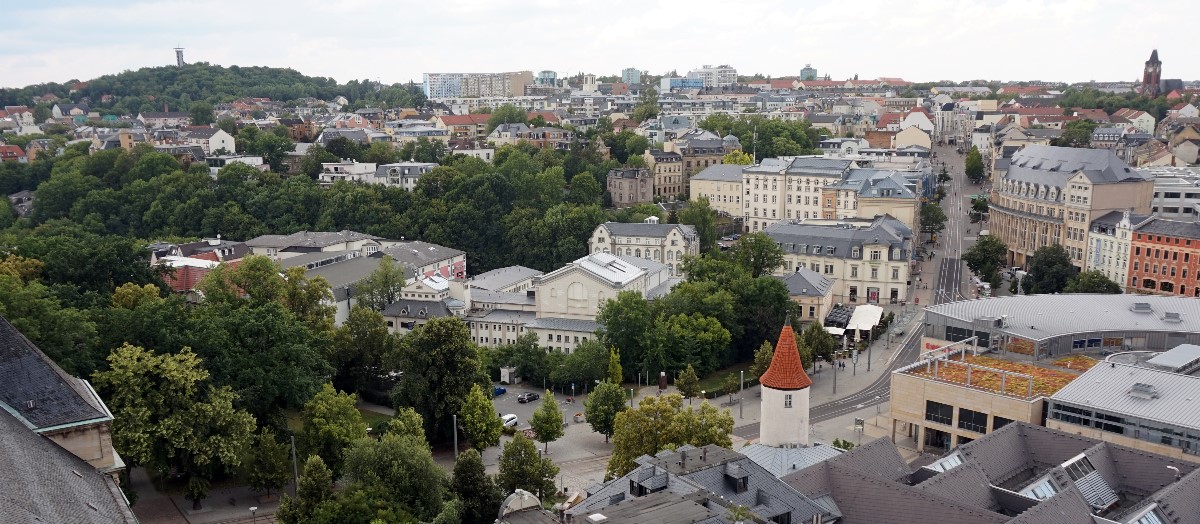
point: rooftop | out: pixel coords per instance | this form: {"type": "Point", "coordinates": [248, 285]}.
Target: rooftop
{"type": "Point", "coordinates": [1171, 398]}
{"type": "Point", "coordinates": [1050, 165]}
{"type": "Point", "coordinates": [995, 375]}
{"type": "Point", "coordinates": [806, 282]}
{"type": "Point", "coordinates": [720, 173]}
{"type": "Point", "coordinates": [501, 278]}
{"type": "Point", "coordinates": [316, 239]}
{"type": "Point", "coordinates": [33, 387]}
{"type": "Point", "coordinates": [1040, 317]}
{"type": "Point", "coordinates": [643, 229]}
{"type": "Point", "coordinates": [786, 372]}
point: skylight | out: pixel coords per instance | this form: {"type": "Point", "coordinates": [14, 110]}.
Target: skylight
{"type": "Point", "coordinates": [1041, 490]}
{"type": "Point", "coordinates": [948, 463]}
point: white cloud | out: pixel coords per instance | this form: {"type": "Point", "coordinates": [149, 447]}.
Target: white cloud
{"type": "Point", "coordinates": [396, 41]}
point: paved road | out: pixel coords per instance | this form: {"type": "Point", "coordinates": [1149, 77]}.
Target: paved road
{"type": "Point", "coordinates": [877, 392]}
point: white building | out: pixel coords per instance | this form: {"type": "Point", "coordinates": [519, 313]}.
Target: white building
{"type": "Point", "coordinates": [714, 77]}
{"type": "Point", "coordinates": [1108, 244]}
{"type": "Point", "coordinates": [666, 244]}
{"type": "Point", "coordinates": [348, 170]}
{"type": "Point", "coordinates": [785, 402]}
{"type": "Point", "coordinates": [403, 174]}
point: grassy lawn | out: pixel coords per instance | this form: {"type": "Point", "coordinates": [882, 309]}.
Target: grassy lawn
{"type": "Point", "coordinates": [712, 382]}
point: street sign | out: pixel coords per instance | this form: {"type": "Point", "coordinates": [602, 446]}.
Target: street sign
{"type": "Point", "coordinates": [858, 424]}
{"type": "Point", "coordinates": [856, 356]}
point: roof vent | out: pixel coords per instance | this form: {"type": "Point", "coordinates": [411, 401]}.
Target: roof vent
{"type": "Point", "coordinates": [597, 517]}
{"type": "Point", "coordinates": [1173, 318]}
{"type": "Point", "coordinates": [1141, 307]}
{"type": "Point", "coordinates": [1143, 391]}
{"type": "Point", "coordinates": [28, 404]}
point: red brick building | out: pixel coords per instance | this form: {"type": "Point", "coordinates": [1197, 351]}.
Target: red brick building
{"type": "Point", "coordinates": [1165, 258]}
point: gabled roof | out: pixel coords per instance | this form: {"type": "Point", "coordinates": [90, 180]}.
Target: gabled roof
{"type": "Point", "coordinates": [642, 229]}
{"type": "Point", "coordinates": [720, 173]}
{"type": "Point", "coordinates": [807, 283]}
{"type": "Point", "coordinates": [1050, 165]}
{"type": "Point", "coordinates": [45, 483]}
{"type": "Point", "coordinates": [502, 277]}
{"type": "Point", "coordinates": [786, 371]}
{"type": "Point", "coordinates": [309, 239]}
{"type": "Point", "coordinates": [36, 389]}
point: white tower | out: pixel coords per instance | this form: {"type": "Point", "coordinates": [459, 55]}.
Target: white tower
{"type": "Point", "coordinates": [785, 387]}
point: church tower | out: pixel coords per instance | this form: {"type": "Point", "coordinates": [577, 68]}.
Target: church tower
{"type": "Point", "coordinates": [785, 387]}
{"type": "Point", "coordinates": [1152, 76]}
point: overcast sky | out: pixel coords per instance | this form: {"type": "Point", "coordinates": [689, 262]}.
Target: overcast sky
{"type": "Point", "coordinates": [394, 41]}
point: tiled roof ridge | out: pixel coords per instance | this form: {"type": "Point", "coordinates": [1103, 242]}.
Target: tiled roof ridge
{"type": "Point", "coordinates": [786, 371]}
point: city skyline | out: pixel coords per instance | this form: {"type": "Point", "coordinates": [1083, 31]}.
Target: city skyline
{"type": "Point", "coordinates": [921, 41]}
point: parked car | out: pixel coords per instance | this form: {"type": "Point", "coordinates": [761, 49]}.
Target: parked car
{"type": "Point", "coordinates": [499, 390]}
{"type": "Point", "coordinates": [527, 397]}
{"type": "Point", "coordinates": [509, 420]}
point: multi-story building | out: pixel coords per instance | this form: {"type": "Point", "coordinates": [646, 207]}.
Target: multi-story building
{"type": "Point", "coordinates": [450, 85]}
{"type": "Point", "coordinates": [722, 186]}
{"type": "Point", "coordinates": [714, 77]}
{"type": "Point", "coordinates": [701, 149]}
{"type": "Point", "coordinates": [1165, 258]}
{"type": "Point", "coordinates": [808, 72]}
{"type": "Point", "coordinates": [348, 170]}
{"type": "Point", "coordinates": [630, 186]}
{"type": "Point", "coordinates": [1049, 195]}
{"type": "Point", "coordinates": [871, 192]}
{"type": "Point", "coordinates": [403, 174]}
{"type": "Point", "coordinates": [669, 177]}
{"type": "Point", "coordinates": [631, 76]}
{"type": "Point", "coordinates": [1108, 244]}
{"type": "Point", "coordinates": [1176, 192]}
{"type": "Point", "coordinates": [811, 291]}
{"type": "Point", "coordinates": [666, 244]}
{"type": "Point", "coordinates": [868, 259]}
{"type": "Point", "coordinates": [780, 189]}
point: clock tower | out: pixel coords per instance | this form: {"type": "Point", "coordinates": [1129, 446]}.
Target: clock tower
{"type": "Point", "coordinates": [1152, 76]}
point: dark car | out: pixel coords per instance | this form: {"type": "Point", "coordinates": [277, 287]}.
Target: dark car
{"type": "Point", "coordinates": [499, 390]}
{"type": "Point", "coordinates": [527, 397]}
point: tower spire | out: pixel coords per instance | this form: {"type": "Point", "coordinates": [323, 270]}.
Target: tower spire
{"type": "Point", "coordinates": [785, 395]}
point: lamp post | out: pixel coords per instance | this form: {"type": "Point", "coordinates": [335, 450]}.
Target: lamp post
{"type": "Point", "coordinates": [741, 389]}
{"type": "Point", "coordinates": [253, 514]}
{"type": "Point", "coordinates": [630, 398]}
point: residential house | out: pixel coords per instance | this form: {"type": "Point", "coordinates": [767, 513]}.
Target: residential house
{"type": "Point", "coordinates": [69, 111]}
{"type": "Point", "coordinates": [630, 186]}
{"type": "Point", "coordinates": [348, 170]}
{"type": "Point", "coordinates": [40, 146]}
{"type": "Point", "coordinates": [778, 189]}
{"type": "Point", "coordinates": [425, 258]}
{"type": "Point", "coordinates": [867, 193]}
{"type": "Point", "coordinates": [912, 136]}
{"type": "Point", "coordinates": [867, 258]}
{"type": "Point", "coordinates": [11, 153]}
{"type": "Point", "coordinates": [811, 291]}
{"type": "Point", "coordinates": [666, 244]}
{"type": "Point", "coordinates": [549, 138]}
{"type": "Point", "coordinates": [473, 126]}
{"type": "Point", "coordinates": [299, 129]}
{"type": "Point", "coordinates": [700, 149]}
{"type": "Point", "coordinates": [1050, 195]}
{"type": "Point", "coordinates": [1188, 151]}
{"type": "Point", "coordinates": [210, 139]}
{"type": "Point", "coordinates": [1140, 120]}
{"type": "Point", "coordinates": [1107, 137]}
{"type": "Point", "coordinates": [282, 247]}
{"type": "Point", "coordinates": [1183, 110]}
{"type": "Point", "coordinates": [402, 174]}
{"type": "Point", "coordinates": [667, 168]}
{"type": "Point", "coordinates": [722, 186]}
{"type": "Point", "coordinates": [52, 403]}
{"type": "Point", "coordinates": [164, 118]}
{"type": "Point", "coordinates": [508, 133]}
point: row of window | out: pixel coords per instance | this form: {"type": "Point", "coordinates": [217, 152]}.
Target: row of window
{"type": "Point", "coordinates": [816, 267]}
{"type": "Point", "coordinates": [1159, 238]}
{"type": "Point", "coordinates": [969, 420]}
{"type": "Point", "coordinates": [1187, 439]}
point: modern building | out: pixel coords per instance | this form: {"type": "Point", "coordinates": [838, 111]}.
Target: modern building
{"type": "Point", "coordinates": [453, 85]}
{"type": "Point", "coordinates": [547, 78]}
{"type": "Point", "coordinates": [1050, 195]}
{"type": "Point", "coordinates": [666, 244]}
{"type": "Point", "coordinates": [1165, 258]}
{"type": "Point", "coordinates": [1019, 474]}
{"type": "Point", "coordinates": [1108, 245]}
{"type": "Point", "coordinates": [347, 170]}
{"type": "Point", "coordinates": [631, 76]}
{"type": "Point", "coordinates": [714, 77]}
{"type": "Point", "coordinates": [868, 259]}
{"type": "Point", "coordinates": [630, 186]}
{"type": "Point", "coordinates": [808, 72]}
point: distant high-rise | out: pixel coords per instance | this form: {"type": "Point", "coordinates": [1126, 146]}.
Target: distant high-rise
{"type": "Point", "coordinates": [547, 78]}
{"type": "Point", "coordinates": [179, 56]}
{"type": "Point", "coordinates": [454, 85]}
{"type": "Point", "coordinates": [1152, 76]}
{"type": "Point", "coordinates": [808, 73]}
{"type": "Point", "coordinates": [631, 75]}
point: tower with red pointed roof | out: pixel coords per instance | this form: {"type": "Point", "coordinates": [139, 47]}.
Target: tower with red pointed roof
{"type": "Point", "coordinates": [785, 388]}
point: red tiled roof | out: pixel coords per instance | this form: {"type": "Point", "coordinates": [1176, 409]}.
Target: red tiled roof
{"type": "Point", "coordinates": [786, 371]}
{"type": "Point", "coordinates": [11, 152]}
{"type": "Point", "coordinates": [889, 118]}
{"type": "Point", "coordinates": [463, 120]}
{"type": "Point", "coordinates": [782, 83]}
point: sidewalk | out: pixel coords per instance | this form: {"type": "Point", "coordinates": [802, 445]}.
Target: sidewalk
{"type": "Point", "coordinates": [223, 505]}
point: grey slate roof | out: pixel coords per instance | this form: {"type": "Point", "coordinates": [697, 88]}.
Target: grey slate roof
{"type": "Point", "coordinates": [419, 309]}
{"type": "Point", "coordinates": [875, 183]}
{"type": "Point", "coordinates": [798, 237]}
{"type": "Point", "coordinates": [39, 391]}
{"type": "Point", "coordinates": [720, 173]}
{"type": "Point", "coordinates": [781, 461]}
{"type": "Point", "coordinates": [642, 229]}
{"type": "Point", "coordinates": [1053, 166]}
{"type": "Point", "coordinates": [500, 297]}
{"type": "Point", "coordinates": [807, 283]}
{"type": "Point", "coordinates": [45, 483]}
{"type": "Point", "coordinates": [502, 277]}
{"type": "Point", "coordinates": [1175, 228]}
{"type": "Point", "coordinates": [343, 275]}
{"type": "Point", "coordinates": [415, 254]}
{"type": "Point", "coordinates": [1038, 317]}
{"type": "Point", "coordinates": [317, 239]}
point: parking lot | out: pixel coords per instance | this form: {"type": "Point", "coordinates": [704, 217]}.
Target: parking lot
{"type": "Point", "coordinates": [507, 403]}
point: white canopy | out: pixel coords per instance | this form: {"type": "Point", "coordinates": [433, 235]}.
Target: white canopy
{"type": "Point", "coordinates": [865, 317]}
{"type": "Point", "coordinates": [835, 331]}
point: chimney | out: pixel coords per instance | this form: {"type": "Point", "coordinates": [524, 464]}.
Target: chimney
{"type": "Point", "coordinates": [704, 454]}
{"type": "Point", "coordinates": [683, 458]}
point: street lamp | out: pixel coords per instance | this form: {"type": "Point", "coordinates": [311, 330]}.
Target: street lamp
{"type": "Point", "coordinates": [253, 514]}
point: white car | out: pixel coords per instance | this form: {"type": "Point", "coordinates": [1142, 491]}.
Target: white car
{"type": "Point", "coordinates": [509, 420]}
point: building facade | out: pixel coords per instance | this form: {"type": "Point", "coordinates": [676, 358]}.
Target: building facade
{"type": "Point", "coordinates": [1050, 195]}
{"type": "Point", "coordinates": [666, 244]}
{"type": "Point", "coordinates": [1165, 258]}
{"type": "Point", "coordinates": [669, 178]}
{"type": "Point", "coordinates": [722, 186]}
{"type": "Point", "coordinates": [1108, 245]}
{"type": "Point", "coordinates": [630, 186]}
{"type": "Point", "coordinates": [869, 260]}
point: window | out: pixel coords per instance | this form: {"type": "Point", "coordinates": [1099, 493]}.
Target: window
{"type": "Point", "coordinates": [972, 420]}
{"type": "Point", "coordinates": [787, 401]}
{"type": "Point", "coordinates": [874, 273]}
{"type": "Point", "coordinates": [895, 273]}
{"type": "Point", "coordinates": [1079, 469]}
{"type": "Point", "coordinates": [938, 412]}
{"type": "Point", "coordinates": [874, 254]}
{"type": "Point", "coordinates": [853, 271]}
{"type": "Point", "coordinates": [999, 422]}
{"type": "Point", "coordinates": [828, 269]}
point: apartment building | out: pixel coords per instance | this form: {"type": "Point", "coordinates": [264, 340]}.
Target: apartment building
{"type": "Point", "coordinates": [666, 244]}
{"type": "Point", "coordinates": [669, 178]}
{"type": "Point", "coordinates": [1165, 258]}
{"type": "Point", "coordinates": [450, 85]}
{"type": "Point", "coordinates": [630, 186]}
{"type": "Point", "coordinates": [781, 188]}
{"type": "Point", "coordinates": [714, 77]}
{"type": "Point", "coordinates": [1049, 195]}
{"type": "Point", "coordinates": [402, 174]}
{"type": "Point", "coordinates": [868, 259]}
{"type": "Point", "coordinates": [1108, 245]}
{"type": "Point", "coordinates": [722, 186]}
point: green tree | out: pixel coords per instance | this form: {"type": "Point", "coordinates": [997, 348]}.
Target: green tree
{"type": "Point", "coordinates": [943, 175]}
{"type": "Point", "coordinates": [382, 287]}
{"type": "Point", "coordinates": [692, 340]}
{"type": "Point", "coordinates": [480, 495]}
{"type": "Point", "coordinates": [626, 322]}
{"type": "Point", "coordinates": [314, 488]}
{"type": "Point", "coordinates": [703, 217]}
{"type": "Point", "coordinates": [358, 347]}
{"type": "Point", "coordinates": [933, 219]}
{"type": "Point", "coordinates": [547, 421]}
{"type": "Point", "coordinates": [479, 421]}
{"type": "Point", "coordinates": [1077, 133]}
{"type": "Point", "coordinates": [986, 256]}
{"type": "Point", "coordinates": [730, 385]}
{"type": "Point", "coordinates": [1092, 281]}
{"type": "Point", "coordinates": [737, 157]}
{"type": "Point", "coordinates": [844, 445]}
{"type": "Point", "coordinates": [602, 406]}
{"type": "Point", "coordinates": [758, 254]}
{"type": "Point", "coordinates": [615, 375]}
{"type": "Point", "coordinates": [973, 166]}
{"type": "Point", "coordinates": [308, 298]}
{"type": "Point", "coordinates": [647, 106]}
{"type": "Point", "coordinates": [401, 469]}
{"type": "Point", "coordinates": [331, 423]}
{"type": "Point", "coordinates": [662, 422]}
{"type": "Point", "coordinates": [762, 359]}
{"type": "Point", "coordinates": [1050, 270]}
{"type": "Point", "coordinates": [506, 114]}
{"type": "Point", "coordinates": [407, 422]}
{"type": "Point", "coordinates": [266, 465]}
{"type": "Point", "coordinates": [584, 190]}
{"type": "Point", "coordinates": [688, 383]}
{"type": "Point", "coordinates": [818, 342]}
{"type": "Point", "coordinates": [439, 365]}
{"type": "Point", "coordinates": [273, 148]}
{"type": "Point", "coordinates": [201, 113]}
{"type": "Point", "coordinates": [522, 467]}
